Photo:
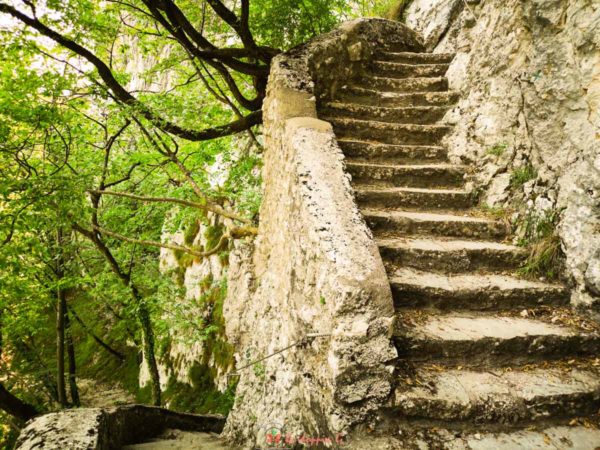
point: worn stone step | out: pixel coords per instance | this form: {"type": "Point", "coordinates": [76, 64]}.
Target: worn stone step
{"type": "Point", "coordinates": [506, 397]}
{"type": "Point", "coordinates": [399, 154]}
{"type": "Point", "coordinates": [401, 70]}
{"type": "Point", "coordinates": [476, 341]}
{"type": "Point", "coordinates": [415, 115]}
{"type": "Point", "coordinates": [555, 438]}
{"type": "Point", "coordinates": [476, 292]}
{"type": "Point", "coordinates": [403, 197]}
{"type": "Point", "coordinates": [450, 255]}
{"type": "Point", "coordinates": [412, 85]}
{"type": "Point", "coordinates": [370, 96]}
{"type": "Point", "coordinates": [424, 175]}
{"type": "Point", "coordinates": [387, 223]}
{"type": "Point", "coordinates": [541, 438]}
{"type": "Point", "coordinates": [388, 133]}
{"type": "Point", "coordinates": [416, 58]}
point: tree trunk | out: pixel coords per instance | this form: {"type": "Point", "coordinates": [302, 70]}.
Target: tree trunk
{"type": "Point", "coordinates": [60, 348]}
{"type": "Point", "coordinates": [149, 353]}
{"type": "Point", "coordinates": [120, 356]}
{"type": "Point", "coordinates": [72, 364]}
{"type": "Point", "coordinates": [144, 314]}
{"type": "Point", "coordinates": [15, 406]}
{"type": "Point", "coordinates": [61, 307]}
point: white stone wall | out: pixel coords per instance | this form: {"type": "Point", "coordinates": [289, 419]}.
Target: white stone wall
{"type": "Point", "coordinates": [186, 350]}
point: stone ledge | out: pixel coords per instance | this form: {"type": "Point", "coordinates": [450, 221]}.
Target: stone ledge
{"type": "Point", "coordinates": [106, 429]}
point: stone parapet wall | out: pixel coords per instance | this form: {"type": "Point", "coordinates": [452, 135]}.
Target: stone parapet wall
{"type": "Point", "coordinates": [108, 429]}
{"type": "Point", "coordinates": [314, 266]}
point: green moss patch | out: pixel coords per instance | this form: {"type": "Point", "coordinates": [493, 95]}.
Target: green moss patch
{"type": "Point", "coordinates": [202, 395]}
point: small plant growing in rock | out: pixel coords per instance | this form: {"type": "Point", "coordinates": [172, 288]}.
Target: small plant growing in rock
{"type": "Point", "coordinates": [545, 255]}
{"type": "Point", "coordinates": [544, 259]}
{"type": "Point", "coordinates": [497, 150]}
{"type": "Point", "coordinates": [389, 9]}
{"type": "Point", "coordinates": [497, 212]}
{"type": "Point", "coordinates": [522, 175]}
{"type": "Point", "coordinates": [259, 370]}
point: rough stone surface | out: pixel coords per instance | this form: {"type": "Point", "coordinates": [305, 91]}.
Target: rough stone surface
{"type": "Point", "coordinates": [463, 368]}
{"type": "Point", "coordinates": [432, 18]}
{"type": "Point", "coordinates": [198, 278]}
{"type": "Point", "coordinates": [185, 349]}
{"type": "Point", "coordinates": [578, 438]}
{"type": "Point", "coordinates": [529, 74]}
{"type": "Point", "coordinates": [181, 440]}
{"type": "Point", "coordinates": [475, 292]}
{"type": "Point", "coordinates": [471, 328]}
{"type": "Point", "coordinates": [76, 430]}
{"type": "Point", "coordinates": [552, 438]}
{"type": "Point", "coordinates": [506, 397]}
{"type": "Point", "coordinates": [109, 429]}
{"type": "Point", "coordinates": [314, 265]}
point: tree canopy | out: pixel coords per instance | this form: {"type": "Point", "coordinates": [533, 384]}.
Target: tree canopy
{"type": "Point", "coordinates": [121, 122]}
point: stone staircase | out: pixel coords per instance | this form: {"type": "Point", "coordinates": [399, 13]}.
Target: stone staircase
{"type": "Point", "coordinates": [487, 359]}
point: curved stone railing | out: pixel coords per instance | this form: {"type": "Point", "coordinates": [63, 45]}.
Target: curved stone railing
{"type": "Point", "coordinates": [314, 266]}
{"type": "Point", "coordinates": [109, 429]}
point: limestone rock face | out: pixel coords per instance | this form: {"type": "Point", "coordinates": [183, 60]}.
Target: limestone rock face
{"type": "Point", "coordinates": [197, 277]}
{"type": "Point", "coordinates": [202, 282]}
{"type": "Point", "coordinates": [432, 18]}
{"type": "Point", "coordinates": [529, 74]}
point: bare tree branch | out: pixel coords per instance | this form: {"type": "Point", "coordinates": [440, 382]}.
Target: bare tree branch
{"type": "Point", "coordinates": [173, 25]}
{"type": "Point", "coordinates": [124, 96]}
{"type": "Point", "coordinates": [202, 206]}
{"type": "Point", "coordinates": [120, 356]}
{"type": "Point", "coordinates": [174, 247]}
{"type": "Point", "coordinates": [163, 149]}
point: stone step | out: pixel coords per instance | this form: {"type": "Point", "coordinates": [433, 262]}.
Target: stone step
{"type": "Point", "coordinates": [388, 133]}
{"type": "Point", "coordinates": [479, 292]}
{"type": "Point", "coordinates": [476, 341]}
{"type": "Point", "coordinates": [416, 58]}
{"type": "Point", "coordinates": [401, 70]}
{"type": "Point", "coordinates": [543, 438]}
{"type": "Point", "coordinates": [386, 223]}
{"type": "Point", "coordinates": [394, 197]}
{"type": "Point", "coordinates": [369, 96]}
{"type": "Point", "coordinates": [425, 175]}
{"type": "Point", "coordinates": [415, 115]}
{"type": "Point", "coordinates": [412, 85]}
{"type": "Point", "coordinates": [502, 397]}
{"type": "Point", "coordinates": [398, 154]}
{"type": "Point", "coordinates": [450, 255]}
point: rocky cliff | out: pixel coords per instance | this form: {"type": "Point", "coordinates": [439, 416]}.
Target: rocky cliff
{"type": "Point", "coordinates": [528, 118]}
{"type": "Point", "coordinates": [196, 358]}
